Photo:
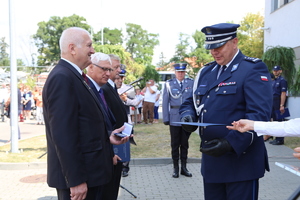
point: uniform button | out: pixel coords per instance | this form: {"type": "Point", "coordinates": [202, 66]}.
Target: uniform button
{"type": "Point", "coordinates": [204, 127]}
{"type": "Point", "coordinates": [224, 91]}
{"type": "Point", "coordinates": [208, 96]}
{"type": "Point", "coordinates": [205, 110]}
{"type": "Point", "coordinates": [217, 89]}
{"type": "Point", "coordinates": [198, 92]}
{"type": "Point", "coordinates": [244, 152]}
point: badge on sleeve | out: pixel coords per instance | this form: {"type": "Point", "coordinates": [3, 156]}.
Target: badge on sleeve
{"type": "Point", "coordinates": [264, 78]}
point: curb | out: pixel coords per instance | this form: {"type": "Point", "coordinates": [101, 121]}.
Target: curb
{"type": "Point", "coordinates": [134, 161]}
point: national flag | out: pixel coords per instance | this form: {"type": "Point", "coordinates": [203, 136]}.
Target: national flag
{"type": "Point", "coordinates": [264, 78]}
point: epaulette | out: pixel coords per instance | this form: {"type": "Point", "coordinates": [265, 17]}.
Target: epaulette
{"type": "Point", "coordinates": [189, 79]}
{"type": "Point", "coordinates": [251, 59]}
{"type": "Point", "coordinates": [210, 63]}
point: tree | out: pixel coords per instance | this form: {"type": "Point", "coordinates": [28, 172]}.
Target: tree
{"type": "Point", "coordinates": [4, 58]}
{"type": "Point", "coordinates": [110, 36]}
{"type": "Point", "coordinates": [48, 34]}
{"type": "Point", "coordinates": [149, 73]}
{"type": "Point", "coordinates": [251, 36]}
{"type": "Point", "coordinates": [284, 57]}
{"type": "Point", "coordinates": [140, 44]}
{"type": "Point", "coordinates": [181, 48]}
{"type": "Point", "coordinates": [203, 55]}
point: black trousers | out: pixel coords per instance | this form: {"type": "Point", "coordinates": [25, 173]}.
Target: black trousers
{"type": "Point", "coordinates": [93, 193]}
{"type": "Point", "coordinates": [111, 190]}
{"type": "Point", "coordinates": [276, 106]}
{"type": "Point", "coordinates": [179, 143]}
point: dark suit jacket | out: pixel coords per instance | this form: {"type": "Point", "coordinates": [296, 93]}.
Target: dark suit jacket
{"type": "Point", "coordinates": [78, 146]}
{"type": "Point", "coordinates": [109, 116]}
{"type": "Point", "coordinates": [116, 105]}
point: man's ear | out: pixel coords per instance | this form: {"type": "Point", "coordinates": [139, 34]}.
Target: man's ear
{"type": "Point", "coordinates": [72, 49]}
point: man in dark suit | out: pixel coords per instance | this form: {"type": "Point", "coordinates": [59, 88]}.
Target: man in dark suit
{"type": "Point", "coordinates": [78, 146]}
{"type": "Point", "coordinates": [117, 107]}
{"type": "Point", "coordinates": [232, 87]}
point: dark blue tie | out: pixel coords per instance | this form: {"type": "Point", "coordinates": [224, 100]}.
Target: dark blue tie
{"type": "Point", "coordinates": [181, 85]}
{"type": "Point", "coordinates": [102, 98]}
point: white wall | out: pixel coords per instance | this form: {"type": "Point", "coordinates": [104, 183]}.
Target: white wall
{"type": "Point", "coordinates": [284, 25]}
{"type": "Point", "coordinates": [284, 30]}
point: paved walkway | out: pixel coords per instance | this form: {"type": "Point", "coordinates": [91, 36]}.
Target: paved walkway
{"type": "Point", "coordinates": [148, 178]}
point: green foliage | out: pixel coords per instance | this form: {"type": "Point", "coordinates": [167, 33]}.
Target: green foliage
{"type": "Point", "coordinates": [140, 44]}
{"type": "Point", "coordinates": [284, 57]}
{"type": "Point", "coordinates": [251, 36]}
{"type": "Point", "coordinates": [110, 36]}
{"type": "Point", "coordinates": [295, 88]}
{"type": "Point", "coordinates": [48, 34]}
{"type": "Point", "coordinates": [4, 59]}
{"type": "Point", "coordinates": [149, 73]}
{"type": "Point", "coordinates": [203, 55]}
{"type": "Point", "coordinates": [181, 48]}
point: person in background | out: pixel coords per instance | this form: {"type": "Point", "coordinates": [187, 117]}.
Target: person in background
{"type": "Point", "coordinates": [39, 107]}
{"type": "Point", "coordinates": [149, 99]}
{"type": "Point", "coordinates": [279, 85]}
{"type": "Point", "coordinates": [156, 106]}
{"type": "Point", "coordinates": [78, 145]}
{"type": "Point", "coordinates": [232, 87]}
{"type": "Point", "coordinates": [27, 102]}
{"type": "Point", "coordinates": [118, 109]}
{"type": "Point", "coordinates": [176, 91]}
{"type": "Point", "coordinates": [140, 99]}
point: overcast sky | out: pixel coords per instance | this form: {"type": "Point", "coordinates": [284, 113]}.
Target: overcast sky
{"type": "Point", "coordinates": [164, 17]}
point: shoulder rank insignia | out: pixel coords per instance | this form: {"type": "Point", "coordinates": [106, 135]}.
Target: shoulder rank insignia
{"type": "Point", "coordinates": [210, 63]}
{"type": "Point", "coordinates": [251, 59]}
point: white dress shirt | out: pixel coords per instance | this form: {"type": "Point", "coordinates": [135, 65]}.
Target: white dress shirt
{"type": "Point", "coordinates": [289, 128]}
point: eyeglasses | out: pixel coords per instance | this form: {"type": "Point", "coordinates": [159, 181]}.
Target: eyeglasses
{"type": "Point", "coordinates": [104, 68]}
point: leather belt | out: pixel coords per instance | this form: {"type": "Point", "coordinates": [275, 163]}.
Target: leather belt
{"type": "Point", "coordinates": [175, 106]}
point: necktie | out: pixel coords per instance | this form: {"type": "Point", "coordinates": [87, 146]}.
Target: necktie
{"type": "Point", "coordinates": [85, 78]}
{"type": "Point", "coordinates": [102, 98]}
{"type": "Point", "coordinates": [221, 70]}
{"type": "Point", "coordinates": [181, 85]}
{"type": "Point", "coordinates": [116, 88]}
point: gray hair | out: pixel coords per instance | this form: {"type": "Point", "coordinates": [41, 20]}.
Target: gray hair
{"type": "Point", "coordinates": [71, 35]}
{"type": "Point", "coordinates": [97, 57]}
{"type": "Point", "coordinates": [114, 57]}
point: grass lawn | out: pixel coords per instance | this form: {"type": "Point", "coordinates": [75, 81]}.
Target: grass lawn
{"type": "Point", "coordinates": [153, 141]}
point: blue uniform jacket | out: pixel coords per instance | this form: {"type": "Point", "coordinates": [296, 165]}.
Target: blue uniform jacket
{"type": "Point", "coordinates": [243, 91]}
{"type": "Point", "coordinates": [173, 97]}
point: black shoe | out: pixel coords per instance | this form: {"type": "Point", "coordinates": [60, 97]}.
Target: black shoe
{"type": "Point", "coordinates": [276, 142]}
{"type": "Point", "coordinates": [175, 173]}
{"type": "Point", "coordinates": [124, 174]}
{"type": "Point", "coordinates": [271, 142]}
{"type": "Point", "coordinates": [185, 172]}
{"type": "Point", "coordinates": [269, 138]}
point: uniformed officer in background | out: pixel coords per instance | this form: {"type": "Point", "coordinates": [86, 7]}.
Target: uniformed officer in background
{"type": "Point", "coordinates": [176, 91]}
{"type": "Point", "coordinates": [234, 86]}
{"type": "Point", "coordinates": [279, 85]}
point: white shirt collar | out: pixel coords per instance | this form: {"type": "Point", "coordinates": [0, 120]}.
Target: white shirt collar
{"type": "Point", "coordinates": [95, 84]}
{"type": "Point", "coordinates": [74, 65]}
{"type": "Point", "coordinates": [111, 83]}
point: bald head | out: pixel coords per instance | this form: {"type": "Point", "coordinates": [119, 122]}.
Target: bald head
{"type": "Point", "coordinates": [76, 46]}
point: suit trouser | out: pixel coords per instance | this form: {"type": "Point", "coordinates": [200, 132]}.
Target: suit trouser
{"type": "Point", "coordinates": [94, 193]}
{"type": "Point", "coordinates": [243, 190]}
{"type": "Point", "coordinates": [148, 107]}
{"type": "Point", "coordinates": [276, 106]}
{"type": "Point", "coordinates": [111, 190]}
{"type": "Point", "coordinates": [179, 143]}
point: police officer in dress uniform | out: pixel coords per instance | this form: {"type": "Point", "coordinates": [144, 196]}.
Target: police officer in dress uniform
{"type": "Point", "coordinates": [176, 91]}
{"type": "Point", "coordinates": [279, 85]}
{"type": "Point", "coordinates": [234, 86]}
